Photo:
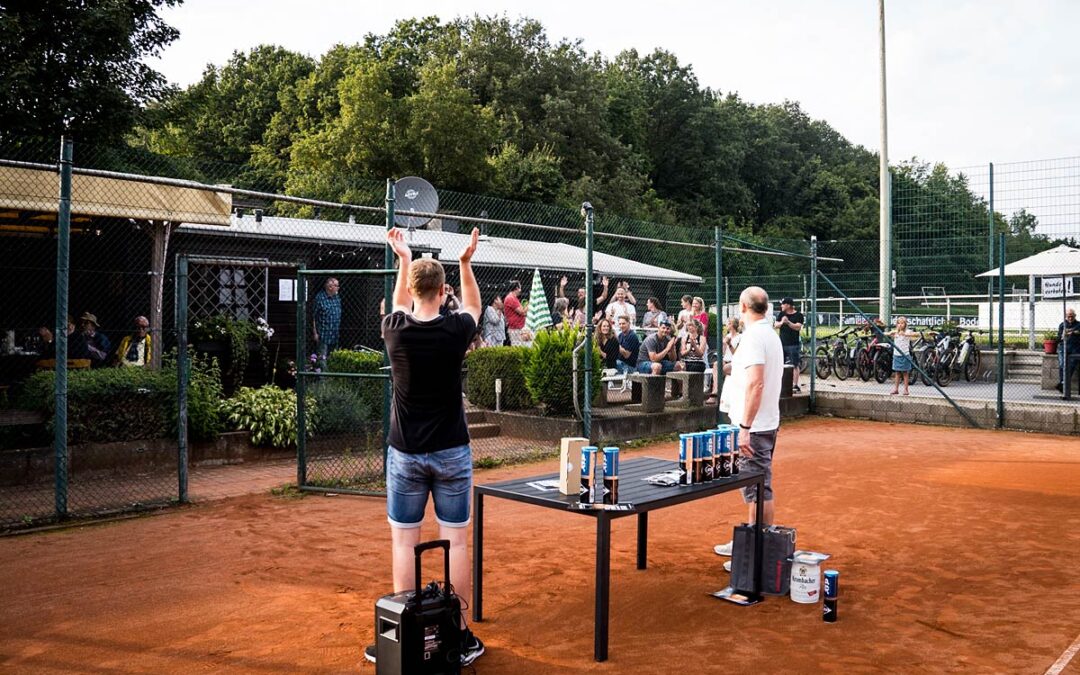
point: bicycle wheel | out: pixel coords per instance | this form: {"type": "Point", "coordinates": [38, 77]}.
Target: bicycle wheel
{"type": "Point", "coordinates": [971, 368]}
{"type": "Point", "coordinates": [943, 374]}
{"type": "Point", "coordinates": [822, 364]}
{"type": "Point", "coordinates": [882, 366]}
{"type": "Point", "coordinates": [804, 360]}
{"type": "Point", "coordinates": [864, 365]}
{"type": "Point", "coordinates": [927, 361]}
{"type": "Point", "coordinates": [841, 363]}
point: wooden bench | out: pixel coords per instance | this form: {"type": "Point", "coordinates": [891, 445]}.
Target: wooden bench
{"type": "Point", "coordinates": [18, 418]}
{"type": "Point", "coordinates": [687, 389]}
{"type": "Point", "coordinates": [647, 393]}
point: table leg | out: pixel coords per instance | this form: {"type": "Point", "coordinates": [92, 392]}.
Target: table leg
{"type": "Point", "coordinates": [603, 579]}
{"type": "Point", "coordinates": [478, 557]}
{"type": "Point", "coordinates": [759, 535]}
{"type": "Point", "coordinates": [642, 539]}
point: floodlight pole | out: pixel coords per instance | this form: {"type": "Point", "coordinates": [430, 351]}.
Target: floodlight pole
{"type": "Point", "coordinates": [885, 191]}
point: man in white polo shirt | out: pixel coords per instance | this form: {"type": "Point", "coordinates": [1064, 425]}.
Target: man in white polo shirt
{"type": "Point", "coordinates": [757, 370]}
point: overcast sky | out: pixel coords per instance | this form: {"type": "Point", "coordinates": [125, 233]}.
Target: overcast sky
{"type": "Point", "coordinates": [969, 82]}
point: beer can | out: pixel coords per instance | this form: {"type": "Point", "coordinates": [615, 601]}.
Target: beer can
{"type": "Point", "coordinates": [708, 456]}
{"type": "Point", "coordinates": [699, 475]}
{"type": "Point", "coordinates": [735, 458]}
{"type": "Point", "coordinates": [832, 584]}
{"type": "Point", "coordinates": [686, 459]}
{"type": "Point", "coordinates": [588, 461]}
{"type": "Point", "coordinates": [611, 475]}
{"type": "Point", "coordinates": [722, 450]}
{"type": "Point", "coordinates": [828, 610]}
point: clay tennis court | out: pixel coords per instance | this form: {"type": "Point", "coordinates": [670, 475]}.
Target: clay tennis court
{"type": "Point", "coordinates": [958, 551]}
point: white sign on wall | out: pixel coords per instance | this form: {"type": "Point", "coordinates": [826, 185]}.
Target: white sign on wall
{"type": "Point", "coordinates": [1051, 287]}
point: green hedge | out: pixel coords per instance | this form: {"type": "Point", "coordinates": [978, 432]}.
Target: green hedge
{"type": "Point", "coordinates": [488, 364]}
{"type": "Point", "coordinates": [125, 404]}
{"type": "Point", "coordinates": [549, 373]}
{"type": "Point", "coordinates": [363, 395]}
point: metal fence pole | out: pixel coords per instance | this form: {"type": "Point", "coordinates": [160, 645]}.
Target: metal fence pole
{"type": "Point", "coordinates": [813, 321]}
{"type": "Point", "coordinates": [388, 306]}
{"type": "Point", "coordinates": [183, 377]}
{"type": "Point", "coordinates": [721, 300]}
{"type": "Point", "coordinates": [63, 273]}
{"type": "Point", "coordinates": [301, 366]}
{"type": "Point", "coordinates": [1001, 332]}
{"type": "Point", "coordinates": [586, 408]}
{"type": "Point", "coordinates": [990, 259]}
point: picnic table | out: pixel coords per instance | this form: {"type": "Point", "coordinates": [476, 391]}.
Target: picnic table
{"type": "Point", "coordinates": [637, 497]}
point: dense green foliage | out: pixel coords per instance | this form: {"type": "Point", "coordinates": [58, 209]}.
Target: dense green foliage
{"type": "Point", "coordinates": [269, 413]}
{"type": "Point", "coordinates": [77, 67]}
{"type": "Point", "coordinates": [488, 364]}
{"type": "Point", "coordinates": [549, 373]}
{"type": "Point", "coordinates": [368, 390]}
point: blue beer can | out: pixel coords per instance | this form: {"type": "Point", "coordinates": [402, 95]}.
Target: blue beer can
{"type": "Point", "coordinates": [734, 448]}
{"type": "Point", "coordinates": [832, 584]}
{"type": "Point", "coordinates": [611, 475]}
{"type": "Point", "coordinates": [708, 455]}
{"type": "Point", "coordinates": [686, 458]}
{"type": "Point", "coordinates": [588, 460]}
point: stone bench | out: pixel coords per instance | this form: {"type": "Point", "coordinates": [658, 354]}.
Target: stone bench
{"type": "Point", "coordinates": [647, 393]}
{"type": "Point", "coordinates": [687, 389]}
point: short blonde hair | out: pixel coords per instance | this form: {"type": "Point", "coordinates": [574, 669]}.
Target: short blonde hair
{"type": "Point", "coordinates": [426, 278]}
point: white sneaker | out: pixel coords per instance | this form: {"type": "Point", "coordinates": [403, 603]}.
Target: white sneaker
{"type": "Point", "coordinates": [727, 565]}
{"type": "Point", "coordinates": [723, 549]}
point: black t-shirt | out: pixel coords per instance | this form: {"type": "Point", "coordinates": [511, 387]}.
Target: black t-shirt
{"type": "Point", "coordinates": [789, 337]}
{"type": "Point", "coordinates": [426, 413]}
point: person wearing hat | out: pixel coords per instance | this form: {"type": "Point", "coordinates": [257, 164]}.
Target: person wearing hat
{"type": "Point", "coordinates": [95, 345]}
{"type": "Point", "coordinates": [134, 350]}
{"type": "Point", "coordinates": [790, 322]}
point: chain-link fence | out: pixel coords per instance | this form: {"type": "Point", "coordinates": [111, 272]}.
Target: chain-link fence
{"type": "Point", "coordinates": [273, 293]}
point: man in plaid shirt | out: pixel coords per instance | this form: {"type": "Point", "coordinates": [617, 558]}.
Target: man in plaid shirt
{"type": "Point", "coordinates": [326, 320]}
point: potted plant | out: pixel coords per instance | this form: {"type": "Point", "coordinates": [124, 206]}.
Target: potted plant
{"type": "Point", "coordinates": [1050, 341]}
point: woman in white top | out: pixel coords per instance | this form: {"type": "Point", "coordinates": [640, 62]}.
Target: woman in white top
{"type": "Point", "coordinates": [684, 316]}
{"type": "Point", "coordinates": [901, 356]}
{"type": "Point", "coordinates": [692, 348]}
{"type": "Point", "coordinates": [732, 336]}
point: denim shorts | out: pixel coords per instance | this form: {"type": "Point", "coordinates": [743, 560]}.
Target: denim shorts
{"type": "Point", "coordinates": [646, 366]}
{"type": "Point", "coordinates": [791, 355]}
{"type": "Point", "coordinates": [446, 474]}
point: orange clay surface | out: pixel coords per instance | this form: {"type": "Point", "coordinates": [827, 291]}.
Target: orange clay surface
{"type": "Point", "coordinates": [959, 550]}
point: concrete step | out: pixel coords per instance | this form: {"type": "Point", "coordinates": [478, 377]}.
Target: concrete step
{"type": "Point", "coordinates": [485, 430]}
{"type": "Point", "coordinates": [474, 416]}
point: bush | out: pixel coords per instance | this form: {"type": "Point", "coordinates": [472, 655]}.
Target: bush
{"type": "Point", "coordinates": [108, 404]}
{"type": "Point", "coordinates": [488, 364]}
{"type": "Point", "coordinates": [205, 394]}
{"type": "Point", "coordinates": [342, 407]}
{"type": "Point", "coordinates": [549, 374]}
{"type": "Point", "coordinates": [269, 414]}
{"type": "Point", "coordinates": [368, 391]}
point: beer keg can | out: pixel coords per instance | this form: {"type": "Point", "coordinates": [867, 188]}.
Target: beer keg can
{"type": "Point", "coordinates": [734, 448]}
{"type": "Point", "coordinates": [708, 456]}
{"type": "Point", "coordinates": [832, 584]}
{"type": "Point", "coordinates": [686, 458]}
{"type": "Point", "coordinates": [828, 610]}
{"type": "Point", "coordinates": [588, 461]}
{"type": "Point", "coordinates": [722, 450]}
{"type": "Point", "coordinates": [611, 475]}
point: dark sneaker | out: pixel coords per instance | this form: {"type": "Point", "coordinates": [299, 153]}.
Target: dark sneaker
{"type": "Point", "coordinates": [471, 648]}
{"type": "Point", "coordinates": [369, 653]}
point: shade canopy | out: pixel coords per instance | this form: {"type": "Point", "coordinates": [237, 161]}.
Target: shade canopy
{"type": "Point", "coordinates": [1063, 261]}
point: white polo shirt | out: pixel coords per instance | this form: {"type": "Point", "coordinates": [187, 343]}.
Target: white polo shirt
{"type": "Point", "coordinates": [760, 345]}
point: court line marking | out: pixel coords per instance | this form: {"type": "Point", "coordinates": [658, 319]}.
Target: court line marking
{"type": "Point", "coordinates": [1065, 657]}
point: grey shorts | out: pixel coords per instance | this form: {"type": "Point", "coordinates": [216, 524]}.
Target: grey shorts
{"type": "Point", "coordinates": [762, 443]}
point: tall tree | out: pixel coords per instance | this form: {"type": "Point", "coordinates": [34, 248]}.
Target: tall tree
{"type": "Point", "coordinates": [77, 67]}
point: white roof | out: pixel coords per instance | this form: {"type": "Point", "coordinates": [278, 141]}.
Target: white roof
{"type": "Point", "coordinates": [1062, 261]}
{"type": "Point", "coordinates": [492, 251]}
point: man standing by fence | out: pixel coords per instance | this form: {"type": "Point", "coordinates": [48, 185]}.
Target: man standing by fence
{"type": "Point", "coordinates": [757, 370]}
{"type": "Point", "coordinates": [429, 449]}
{"type": "Point", "coordinates": [790, 322]}
{"type": "Point", "coordinates": [326, 319]}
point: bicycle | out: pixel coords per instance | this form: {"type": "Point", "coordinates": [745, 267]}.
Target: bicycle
{"type": "Point", "coordinates": [842, 359]}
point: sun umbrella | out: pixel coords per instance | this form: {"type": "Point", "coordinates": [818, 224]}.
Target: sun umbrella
{"type": "Point", "coordinates": [538, 315]}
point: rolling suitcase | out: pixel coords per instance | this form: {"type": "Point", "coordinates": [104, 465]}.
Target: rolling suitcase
{"type": "Point", "coordinates": [419, 632]}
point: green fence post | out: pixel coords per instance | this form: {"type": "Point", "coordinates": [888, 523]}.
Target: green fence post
{"type": "Point", "coordinates": [990, 259]}
{"type": "Point", "coordinates": [301, 366]}
{"type": "Point", "coordinates": [718, 250]}
{"type": "Point", "coordinates": [183, 376]}
{"type": "Point", "coordinates": [1001, 332]}
{"type": "Point", "coordinates": [586, 408]}
{"type": "Point", "coordinates": [813, 321]}
{"type": "Point", "coordinates": [388, 306]}
{"type": "Point", "coordinates": [63, 273]}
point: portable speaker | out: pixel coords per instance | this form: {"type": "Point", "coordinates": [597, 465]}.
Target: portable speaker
{"type": "Point", "coordinates": [419, 632]}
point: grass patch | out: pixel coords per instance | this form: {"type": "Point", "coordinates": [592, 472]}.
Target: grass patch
{"type": "Point", "coordinates": [287, 491]}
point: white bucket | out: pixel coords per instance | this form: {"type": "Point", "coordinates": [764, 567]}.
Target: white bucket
{"type": "Point", "coordinates": [806, 576]}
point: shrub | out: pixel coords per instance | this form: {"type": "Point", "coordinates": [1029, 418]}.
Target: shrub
{"type": "Point", "coordinates": [108, 404]}
{"type": "Point", "coordinates": [205, 394]}
{"type": "Point", "coordinates": [269, 414]}
{"type": "Point", "coordinates": [549, 374]}
{"type": "Point", "coordinates": [342, 407]}
{"type": "Point", "coordinates": [368, 391]}
{"type": "Point", "coordinates": [488, 364]}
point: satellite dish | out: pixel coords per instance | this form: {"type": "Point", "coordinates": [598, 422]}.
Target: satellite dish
{"type": "Point", "coordinates": [416, 195]}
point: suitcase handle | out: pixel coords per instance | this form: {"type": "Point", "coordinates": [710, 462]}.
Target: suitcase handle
{"type": "Point", "coordinates": [444, 544]}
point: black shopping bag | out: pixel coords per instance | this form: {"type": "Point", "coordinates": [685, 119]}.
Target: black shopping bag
{"type": "Point", "coordinates": [777, 548]}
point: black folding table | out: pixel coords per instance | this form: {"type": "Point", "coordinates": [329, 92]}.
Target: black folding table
{"type": "Point", "coordinates": [640, 495]}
